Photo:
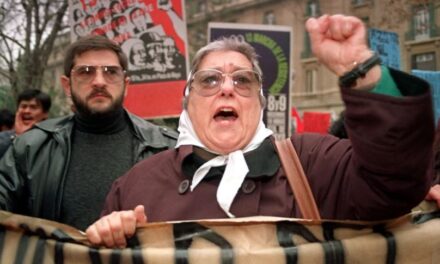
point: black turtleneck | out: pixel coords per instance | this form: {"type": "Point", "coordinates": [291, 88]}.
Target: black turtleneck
{"type": "Point", "coordinates": [102, 150]}
{"type": "Point", "coordinates": [108, 124]}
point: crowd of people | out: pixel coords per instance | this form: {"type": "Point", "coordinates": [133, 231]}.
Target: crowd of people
{"type": "Point", "coordinates": [105, 170]}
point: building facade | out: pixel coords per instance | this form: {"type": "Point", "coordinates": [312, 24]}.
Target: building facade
{"type": "Point", "coordinates": [314, 87]}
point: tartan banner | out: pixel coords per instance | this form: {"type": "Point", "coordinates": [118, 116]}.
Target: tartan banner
{"type": "Point", "coordinates": [414, 238]}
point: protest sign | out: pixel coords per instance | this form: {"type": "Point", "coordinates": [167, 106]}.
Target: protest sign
{"type": "Point", "coordinates": [387, 45]}
{"type": "Point", "coordinates": [433, 78]}
{"type": "Point", "coordinates": [152, 33]}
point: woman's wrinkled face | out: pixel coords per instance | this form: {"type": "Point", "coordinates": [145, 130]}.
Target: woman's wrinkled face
{"type": "Point", "coordinates": [225, 121]}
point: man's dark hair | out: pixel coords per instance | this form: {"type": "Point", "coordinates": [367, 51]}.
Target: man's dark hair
{"type": "Point", "coordinates": [92, 43]}
{"type": "Point", "coordinates": [7, 118]}
{"type": "Point", "coordinates": [41, 97]}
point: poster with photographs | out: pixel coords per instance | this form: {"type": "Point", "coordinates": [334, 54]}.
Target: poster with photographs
{"type": "Point", "coordinates": [152, 33]}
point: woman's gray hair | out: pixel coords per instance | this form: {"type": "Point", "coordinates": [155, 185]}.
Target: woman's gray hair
{"type": "Point", "coordinates": [232, 43]}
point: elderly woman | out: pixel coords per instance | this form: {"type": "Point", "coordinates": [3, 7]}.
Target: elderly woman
{"type": "Point", "coordinates": [226, 165]}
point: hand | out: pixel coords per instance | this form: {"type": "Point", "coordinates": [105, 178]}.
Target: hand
{"type": "Point", "coordinates": [338, 42]}
{"type": "Point", "coordinates": [434, 194]}
{"type": "Point", "coordinates": [113, 229]}
{"type": "Point", "coordinates": [20, 125]}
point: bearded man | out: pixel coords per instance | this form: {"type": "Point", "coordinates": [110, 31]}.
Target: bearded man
{"type": "Point", "coordinates": [62, 168]}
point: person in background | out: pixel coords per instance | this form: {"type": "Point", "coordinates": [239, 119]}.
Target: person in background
{"type": "Point", "coordinates": [80, 30]}
{"type": "Point", "coordinates": [337, 128]}
{"type": "Point", "coordinates": [116, 8]}
{"type": "Point", "coordinates": [32, 106]}
{"type": "Point", "coordinates": [62, 168]}
{"type": "Point", "coordinates": [6, 120]}
{"type": "Point", "coordinates": [89, 23]}
{"type": "Point", "coordinates": [154, 48]}
{"type": "Point", "coordinates": [226, 164]}
{"type": "Point", "coordinates": [78, 14]}
{"type": "Point", "coordinates": [141, 20]}
{"type": "Point", "coordinates": [102, 16]}
{"type": "Point", "coordinates": [136, 54]}
{"type": "Point", "coordinates": [173, 59]}
{"type": "Point", "coordinates": [121, 28]}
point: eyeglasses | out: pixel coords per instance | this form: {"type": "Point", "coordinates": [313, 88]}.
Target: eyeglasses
{"type": "Point", "coordinates": [86, 73]}
{"type": "Point", "coordinates": [209, 82]}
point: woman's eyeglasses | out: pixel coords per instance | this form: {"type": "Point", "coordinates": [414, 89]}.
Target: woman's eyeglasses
{"type": "Point", "coordinates": [209, 82]}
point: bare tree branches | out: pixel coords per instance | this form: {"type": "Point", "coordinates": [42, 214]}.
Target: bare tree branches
{"type": "Point", "coordinates": [27, 34]}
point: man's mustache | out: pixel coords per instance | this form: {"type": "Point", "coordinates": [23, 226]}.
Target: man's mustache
{"type": "Point", "coordinates": [99, 92]}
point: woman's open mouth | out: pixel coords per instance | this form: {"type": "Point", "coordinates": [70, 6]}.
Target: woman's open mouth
{"type": "Point", "coordinates": [226, 113]}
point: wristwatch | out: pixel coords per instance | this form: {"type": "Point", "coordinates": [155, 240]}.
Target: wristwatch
{"type": "Point", "coordinates": [348, 79]}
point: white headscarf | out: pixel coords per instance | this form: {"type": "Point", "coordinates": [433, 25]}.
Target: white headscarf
{"type": "Point", "coordinates": [236, 167]}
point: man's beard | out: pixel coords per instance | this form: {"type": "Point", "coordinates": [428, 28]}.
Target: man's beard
{"type": "Point", "coordinates": [95, 114]}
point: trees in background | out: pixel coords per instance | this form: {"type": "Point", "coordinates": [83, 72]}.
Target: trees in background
{"type": "Point", "coordinates": [28, 30]}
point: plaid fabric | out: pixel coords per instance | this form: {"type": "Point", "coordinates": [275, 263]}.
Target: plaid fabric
{"type": "Point", "coordinates": [414, 238]}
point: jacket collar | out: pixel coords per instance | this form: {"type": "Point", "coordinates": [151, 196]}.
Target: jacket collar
{"type": "Point", "coordinates": [147, 133]}
{"type": "Point", "coordinates": [262, 162]}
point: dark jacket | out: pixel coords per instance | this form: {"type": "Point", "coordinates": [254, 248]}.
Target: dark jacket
{"type": "Point", "coordinates": [33, 171]}
{"type": "Point", "coordinates": [6, 138]}
{"type": "Point", "coordinates": [381, 172]}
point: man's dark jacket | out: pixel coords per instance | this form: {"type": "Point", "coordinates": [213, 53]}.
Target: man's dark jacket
{"type": "Point", "coordinates": [33, 170]}
{"type": "Point", "coordinates": [6, 138]}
